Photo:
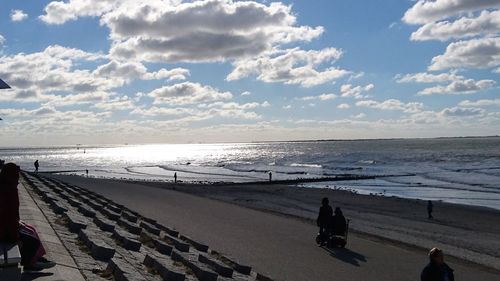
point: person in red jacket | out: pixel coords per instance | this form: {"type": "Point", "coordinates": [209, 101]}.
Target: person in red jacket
{"type": "Point", "coordinates": [12, 229]}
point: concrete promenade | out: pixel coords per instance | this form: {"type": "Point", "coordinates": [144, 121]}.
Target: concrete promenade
{"type": "Point", "coordinates": [278, 246]}
{"type": "Point", "coordinates": [31, 213]}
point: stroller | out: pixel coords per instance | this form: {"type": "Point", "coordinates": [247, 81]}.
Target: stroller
{"type": "Point", "coordinates": [334, 240]}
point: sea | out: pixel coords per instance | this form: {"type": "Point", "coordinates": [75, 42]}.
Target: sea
{"type": "Point", "coordinates": [456, 170]}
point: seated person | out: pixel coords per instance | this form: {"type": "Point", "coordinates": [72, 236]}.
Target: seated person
{"type": "Point", "coordinates": [12, 230]}
{"type": "Point", "coordinates": [338, 224]}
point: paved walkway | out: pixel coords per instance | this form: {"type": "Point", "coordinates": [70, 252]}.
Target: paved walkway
{"type": "Point", "coordinates": [278, 246]}
{"type": "Point", "coordinates": [66, 268]}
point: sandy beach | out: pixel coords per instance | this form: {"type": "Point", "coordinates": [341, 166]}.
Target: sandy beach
{"type": "Point", "coordinates": [271, 227]}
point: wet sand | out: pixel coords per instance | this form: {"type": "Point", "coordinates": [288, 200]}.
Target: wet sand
{"type": "Point", "coordinates": [270, 227]}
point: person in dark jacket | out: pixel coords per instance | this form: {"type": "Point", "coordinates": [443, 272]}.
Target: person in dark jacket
{"type": "Point", "coordinates": [437, 269]}
{"type": "Point", "coordinates": [430, 206]}
{"type": "Point", "coordinates": [12, 229]}
{"type": "Point", "coordinates": [324, 218]}
{"type": "Point", "coordinates": [9, 204]}
{"type": "Point", "coordinates": [339, 224]}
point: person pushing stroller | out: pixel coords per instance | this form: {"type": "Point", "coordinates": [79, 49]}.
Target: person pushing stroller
{"type": "Point", "coordinates": [324, 220]}
{"type": "Point", "coordinates": [332, 228]}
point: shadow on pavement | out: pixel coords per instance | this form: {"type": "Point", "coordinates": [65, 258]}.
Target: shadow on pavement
{"type": "Point", "coordinates": [346, 255]}
{"type": "Point", "coordinates": [35, 275]}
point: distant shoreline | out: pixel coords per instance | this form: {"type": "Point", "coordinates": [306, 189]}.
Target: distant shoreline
{"type": "Point", "coordinates": [248, 142]}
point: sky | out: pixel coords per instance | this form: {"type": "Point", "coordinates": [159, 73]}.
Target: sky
{"type": "Point", "coordinates": [173, 71]}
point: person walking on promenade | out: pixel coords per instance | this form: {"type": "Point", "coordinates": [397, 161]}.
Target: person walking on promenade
{"type": "Point", "coordinates": [175, 177]}
{"type": "Point", "coordinates": [437, 269]}
{"type": "Point", "coordinates": [324, 219]}
{"type": "Point", "coordinates": [270, 176]}
{"type": "Point", "coordinates": [36, 166]}
{"type": "Point", "coordinates": [430, 206]}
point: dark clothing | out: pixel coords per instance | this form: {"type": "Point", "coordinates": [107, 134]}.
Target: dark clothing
{"type": "Point", "coordinates": [339, 224]}
{"type": "Point", "coordinates": [9, 212]}
{"type": "Point", "coordinates": [434, 272]}
{"type": "Point", "coordinates": [324, 220]}
{"type": "Point", "coordinates": [324, 216]}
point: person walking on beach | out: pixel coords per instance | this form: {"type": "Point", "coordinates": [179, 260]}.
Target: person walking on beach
{"type": "Point", "coordinates": [175, 177]}
{"type": "Point", "coordinates": [36, 166]}
{"type": "Point", "coordinates": [324, 219]}
{"type": "Point", "coordinates": [430, 206]}
{"type": "Point", "coordinates": [270, 176]}
{"type": "Point", "coordinates": [437, 269]}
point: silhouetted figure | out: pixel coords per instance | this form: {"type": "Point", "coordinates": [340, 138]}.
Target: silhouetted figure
{"type": "Point", "coordinates": [430, 206]}
{"type": "Point", "coordinates": [12, 229]}
{"type": "Point", "coordinates": [36, 165]}
{"type": "Point", "coordinates": [437, 269]}
{"type": "Point", "coordinates": [339, 225]}
{"type": "Point", "coordinates": [324, 219]}
{"type": "Point", "coordinates": [87, 172]}
{"type": "Point", "coordinates": [175, 177]}
{"type": "Point", "coordinates": [270, 176]}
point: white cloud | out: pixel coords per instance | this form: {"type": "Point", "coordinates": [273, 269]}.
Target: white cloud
{"type": "Point", "coordinates": [135, 70]}
{"type": "Point", "coordinates": [292, 66]}
{"type": "Point", "coordinates": [188, 93]}
{"type": "Point", "coordinates": [322, 97]}
{"type": "Point", "coordinates": [248, 33]}
{"type": "Point", "coordinates": [476, 53]}
{"type": "Point", "coordinates": [392, 104]}
{"type": "Point", "coordinates": [487, 23]}
{"type": "Point", "coordinates": [359, 116]}
{"type": "Point", "coordinates": [425, 11]}
{"type": "Point", "coordinates": [461, 112]}
{"type": "Point", "coordinates": [467, 86]}
{"type": "Point", "coordinates": [347, 90]}
{"type": "Point", "coordinates": [246, 93]}
{"type": "Point", "coordinates": [343, 106]}
{"type": "Point", "coordinates": [204, 111]}
{"type": "Point", "coordinates": [480, 103]}
{"type": "Point", "coordinates": [59, 12]}
{"type": "Point", "coordinates": [116, 104]}
{"type": "Point", "coordinates": [288, 106]}
{"type": "Point", "coordinates": [18, 15]}
{"type": "Point", "coordinates": [2, 40]}
{"type": "Point", "coordinates": [202, 31]}
{"type": "Point", "coordinates": [425, 77]}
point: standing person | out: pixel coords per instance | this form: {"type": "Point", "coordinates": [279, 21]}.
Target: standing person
{"type": "Point", "coordinates": [430, 206]}
{"type": "Point", "coordinates": [36, 166]}
{"type": "Point", "coordinates": [324, 219]}
{"type": "Point", "coordinates": [12, 230]}
{"type": "Point", "coordinates": [437, 269]}
{"type": "Point", "coordinates": [270, 176]}
{"type": "Point", "coordinates": [175, 177]}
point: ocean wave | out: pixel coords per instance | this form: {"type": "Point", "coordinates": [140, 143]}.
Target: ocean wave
{"type": "Point", "coordinates": [305, 165]}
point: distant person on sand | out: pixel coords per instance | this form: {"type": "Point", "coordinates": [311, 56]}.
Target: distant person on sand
{"type": "Point", "coordinates": [324, 218]}
{"type": "Point", "coordinates": [36, 166]}
{"type": "Point", "coordinates": [12, 229]}
{"type": "Point", "coordinates": [437, 269]}
{"type": "Point", "coordinates": [175, 177]}
{"type": "Point", "coordinates": [338, 224]}
{"type": "Point", "coordinates": [430, 206]}
{"type": "Point", "coordinates": [270, 176]}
